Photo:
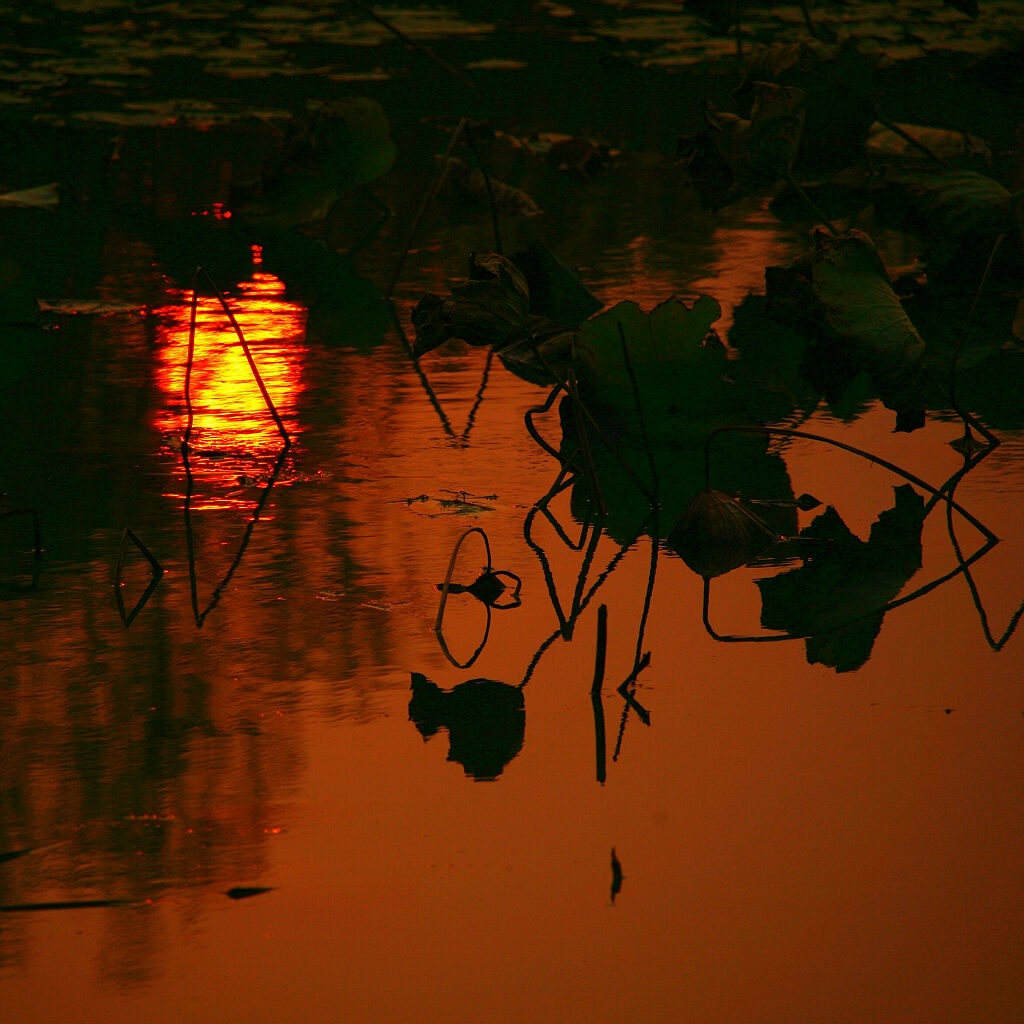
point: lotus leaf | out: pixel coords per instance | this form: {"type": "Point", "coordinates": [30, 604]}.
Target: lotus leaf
{"type": "Point", "coordinates": [717, 534]}
{"type": "Point", "coordinates": [952, 146]}
{"type": "Point", "coordinates": [556, 291]}
{"type": "Point", "coordinates": [491, 308]}
{"type": "Point", "coordinates": [464, 184]}
{"type": "Point", "coordinates": [841, 85]}
{"type": "Point", "coordinates": [839, 294]}
{"type": "Point", "coordinates": [957, 212]}
{"type": "Point", "coordinates": [354, 136]}
{"type": "Point", "coordinates": [733, 157]}
{"type": "Point", "coordinates": [679, 366]}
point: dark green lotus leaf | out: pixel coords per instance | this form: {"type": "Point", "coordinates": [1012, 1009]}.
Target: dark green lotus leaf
{"type": "Point", "coordinates": [491, 308]}
{"type": "Point", "coordinates": [839, 295]}
{"type": "Point", "coordinates": [556, 291]}
{"type": "Point", "coordinates": [353, 136]}
{"type": "Point", "coordinates": [834, 597]}
{"type": "Point", "coordinates": [680, 370]}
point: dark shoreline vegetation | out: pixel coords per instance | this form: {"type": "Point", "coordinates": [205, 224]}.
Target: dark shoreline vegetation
{"type": "Point", "coordinates": [423, 189]}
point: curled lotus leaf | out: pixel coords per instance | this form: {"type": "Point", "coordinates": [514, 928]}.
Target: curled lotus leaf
{"type": "Point", "coordinates": [717, 534]}
{"type": "Point", "coordinates": [491, 308]}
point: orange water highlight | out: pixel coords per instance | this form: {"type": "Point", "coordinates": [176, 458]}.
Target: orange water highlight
{"type": "Point", "coordinates": [230, 414]}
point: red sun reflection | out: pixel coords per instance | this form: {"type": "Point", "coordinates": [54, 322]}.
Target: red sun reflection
{"type": "Point", "coordinates": [230, 415]}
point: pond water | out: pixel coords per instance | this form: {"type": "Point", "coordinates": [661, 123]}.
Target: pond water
{"type": "Point", "coordinates": [254, 801]}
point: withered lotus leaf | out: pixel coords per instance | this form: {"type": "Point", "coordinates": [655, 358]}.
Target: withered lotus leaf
{"type": "Point", "coordinates": [717, 534]}
{"type": "Point", "coordinates": [491, 308]}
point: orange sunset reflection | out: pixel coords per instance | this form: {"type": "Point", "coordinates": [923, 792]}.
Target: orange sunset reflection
{"type": "Point", "coordinates": [230, 414]}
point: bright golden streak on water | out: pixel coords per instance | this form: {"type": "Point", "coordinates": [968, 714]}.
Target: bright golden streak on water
{"type": "Point", "coordinates": [230, 413]}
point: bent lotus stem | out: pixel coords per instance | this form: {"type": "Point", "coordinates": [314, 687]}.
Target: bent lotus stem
{"type": "Point", "coordinates": [1011, 628]}
{"type": "Point", "coordinates": [876, 460]}
{"type": "Point", "coordinates": [446, 588]}
{"type": "Point", "coordinates": [939, 495]}
{"type": "Point", "coordinates": [966, 417]}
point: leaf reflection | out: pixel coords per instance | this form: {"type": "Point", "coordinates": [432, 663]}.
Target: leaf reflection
{"type": "Point", "coordinates": [838, 598]}
{"type": "Point", "coordinates": [485, 720]}
{"type": "Point", "coordinates": [832, 598]}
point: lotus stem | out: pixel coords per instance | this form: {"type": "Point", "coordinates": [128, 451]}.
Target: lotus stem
{"type": "Point", "coordinates": [432, 188]}
{"type": "Point", "coordinates": [907, 137]}
{"type": "Point", "coordinates": [410, 42]}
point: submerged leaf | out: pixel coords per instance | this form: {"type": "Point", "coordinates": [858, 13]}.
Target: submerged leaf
{"type": "Point", "coordinates": [839, 294]}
